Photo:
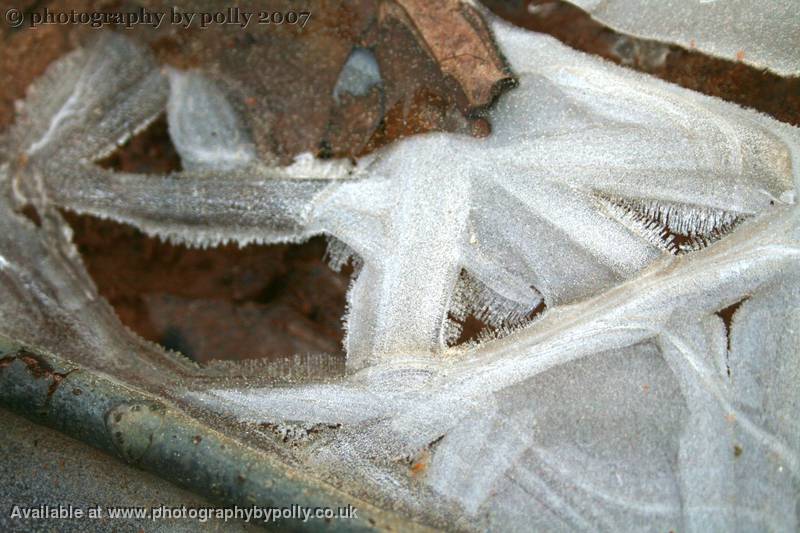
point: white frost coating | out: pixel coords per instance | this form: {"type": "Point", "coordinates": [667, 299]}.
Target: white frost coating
{"type": "Point", "coordinates": [764, 34]}
{"type": "Point", "coordinates": [203, 126]}
{"type": "Point", "coordinates": [70, 110]}
{"type": "Point", "coordinates": [358, 75]}
{"type": "Point", "coordinates": [59, 120]}
{"type": "Point", "coordinates": [306, 166]}
{"type": "Point", "coordinates": [610, 411]}
{"type": "Point", "coordinates": [618, 412]}
{"type": "Point", "coordinates": [635, 209]}
{"type": "Point", "coordinates": [587, 160]}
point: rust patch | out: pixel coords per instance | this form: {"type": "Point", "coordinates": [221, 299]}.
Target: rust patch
{"type": "Point", "coordinates": [419, 467]}
{"type": "Point", "coordinates": [457, 38]}
{"type": "Point", "coordinates": [37, 368]}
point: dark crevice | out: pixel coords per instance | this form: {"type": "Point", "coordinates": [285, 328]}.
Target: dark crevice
{"type": "Point", "coordinates": [472, 329]}
{"type": "Point", "coordinates": [173, 339]}
{"type": "Point", "coordinates": [274, 290]}
{"type": "Point", "coordinates": [726, 315]}
{"type": "Point", "coordinates": [30, 212]}
{"type": "Point", "coordinates": [680, 244]}
{"type": "Point", "coordinates": [148, 152]}
{"type": "Point", "coordinates": [537, 311]}
{"type": "Point", "coordinates": [221, 303]}
{"type": "Point", "coordinates": [730, 80]}
{"type": "Point", "coordinates": [475, 330]}
{"type": "Point", "coordinates": [676, 232]}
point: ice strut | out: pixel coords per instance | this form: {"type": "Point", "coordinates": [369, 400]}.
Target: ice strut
{"type": "Point", "coordinates": [632, 211]}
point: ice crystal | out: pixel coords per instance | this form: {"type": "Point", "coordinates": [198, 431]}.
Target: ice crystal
{"type": "Point", "coordinates": [633, 209]}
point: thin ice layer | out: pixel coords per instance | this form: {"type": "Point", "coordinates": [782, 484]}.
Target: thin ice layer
{"type": "Point", "coordinates": [358, 75]}
{"type": "Point", "coordinates": [762, 34]}
{"type": "Point", "coordinates": [89, 102]}
{"type": "Point", "coordinates": [203, 126]}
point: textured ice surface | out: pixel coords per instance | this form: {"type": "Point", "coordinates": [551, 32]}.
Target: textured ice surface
{"type": "Point", "coordinates": [634, 209]}
{"type": "Point", "coordinates": [204, 127]}
{"type": "Point", "coordinates": [589, 162]}
{"type": "Point", "coordinates": [763, 34]}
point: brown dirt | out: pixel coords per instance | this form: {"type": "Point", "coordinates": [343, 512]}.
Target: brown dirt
{"type": "Point", "coordinates": [221, 303]}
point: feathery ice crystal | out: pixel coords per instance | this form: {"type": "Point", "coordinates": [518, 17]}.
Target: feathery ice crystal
{"type": "Point", "coordinates": [633, 209]}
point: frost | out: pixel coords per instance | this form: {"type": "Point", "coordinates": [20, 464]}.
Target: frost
{"type": "Point", "coordinates": [632, 209]}
{"type": "Point", "coordinates": [612, 411]}
{"type": "Point", "coordinates": [762, 34]}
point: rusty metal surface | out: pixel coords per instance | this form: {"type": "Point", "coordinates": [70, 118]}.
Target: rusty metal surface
{"type": "Point", "coordinates": [44, 467]}
{"type": "Point", "coordinates": [145, 432]}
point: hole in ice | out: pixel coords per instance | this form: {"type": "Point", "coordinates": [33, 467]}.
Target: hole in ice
{"type": "Point", "coordinates": [221, 303]}
{"type": "Point", "coordinates": [471, 329]}
{"type": "Point", "coordinates": [477, 314]}
{"type": "Point", "coordinates": [148, 152]}
{"type": "Point", "coordinates": [475, 330]}
{"type": "Point", "coordinates": [726, 315]}
{"type": "Point", "coordinates": [173, 339]}
{"type": "Point", "coordinates": [30, 212]}
{"type": "Point", "coordinates": [675, 228]}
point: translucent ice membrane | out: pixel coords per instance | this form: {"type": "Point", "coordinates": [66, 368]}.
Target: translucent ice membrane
{"type": "Point", "coordinates": [762, 34]}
